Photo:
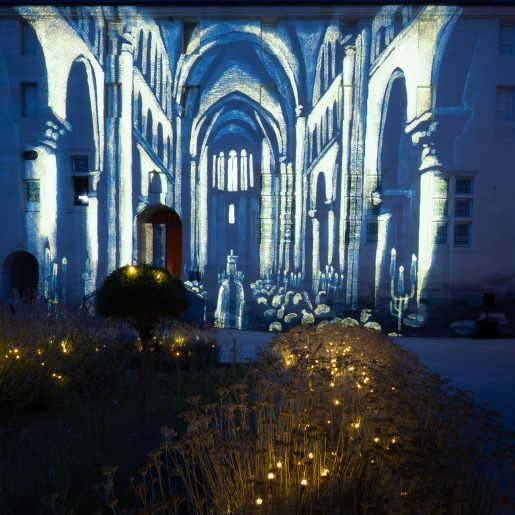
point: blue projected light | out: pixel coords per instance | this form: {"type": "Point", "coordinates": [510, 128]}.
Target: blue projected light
{"type": "Point", "coordinates": [290, 171]}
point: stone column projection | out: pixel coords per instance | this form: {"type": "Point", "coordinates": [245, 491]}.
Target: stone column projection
{"type": "Point", "coordinates": [267, 254]}
{"type": "Point", "coordinates": [355, 192]}
{"type": "Point", "coordinates": [422, 134]}
{"type": "Point", "coordinates": [124, 66]}
{"type": "Point", "coordinates": [346, 111]}
{"type": "Point", "coordinates": [300, 135]}
{"type": "Point", "coordinates": [41, 223]}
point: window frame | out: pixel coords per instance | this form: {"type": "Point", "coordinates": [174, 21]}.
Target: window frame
{"type": "Point", "coordinates": [75, 176]}
{"type": "Point", "coordinates": [509, 111]}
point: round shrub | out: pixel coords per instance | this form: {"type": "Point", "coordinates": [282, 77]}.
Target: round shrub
{"type": "Point", "coordinates": [141, 294]}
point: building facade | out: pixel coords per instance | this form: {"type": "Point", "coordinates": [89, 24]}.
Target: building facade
{"type": "Point", "coordinates": [290, 167]}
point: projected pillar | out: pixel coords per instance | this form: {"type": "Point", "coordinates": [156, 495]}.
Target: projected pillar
{"type": "Point", "coordinates": [40, 195]}
{"type": "Point", "coordinates": [346, 113]}
{"type": "Point", "coordinates": [422, 135]}
{"type": "Point", "coordinates": [300, 134]}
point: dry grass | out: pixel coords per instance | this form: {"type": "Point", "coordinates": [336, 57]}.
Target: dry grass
{"type": "Point", "coordinates": [342, 420]}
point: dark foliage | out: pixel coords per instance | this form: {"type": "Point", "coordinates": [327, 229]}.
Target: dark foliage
{"type": "Point", "coordinates": [142, 294]}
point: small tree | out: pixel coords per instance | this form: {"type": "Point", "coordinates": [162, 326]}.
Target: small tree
{"type": "Point", "coordinates": [142, 295]}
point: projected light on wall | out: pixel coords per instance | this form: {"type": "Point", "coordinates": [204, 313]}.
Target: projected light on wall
{"type": "Point", "coordinates": [284, 159]}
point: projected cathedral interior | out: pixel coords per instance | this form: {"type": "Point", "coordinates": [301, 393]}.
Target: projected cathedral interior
{"type": "Point", "coordinates": [288, 169]}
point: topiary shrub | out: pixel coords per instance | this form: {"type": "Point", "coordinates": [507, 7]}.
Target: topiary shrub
{"type": "Point", "coordinates": [142, 295]}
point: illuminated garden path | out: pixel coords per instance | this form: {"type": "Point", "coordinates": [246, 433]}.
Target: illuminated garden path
{"type": "Point", "coordinates": [485, 367]}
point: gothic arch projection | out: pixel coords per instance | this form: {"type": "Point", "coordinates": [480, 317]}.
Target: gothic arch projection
{"type": "Point", "coordinates": [77, 215]}
{"type": "Point", "coordinates": [318, 237]}
{"type": "Point", "coordinates": [159, 238]}
{"type": "Point", "coordinates": [139, 114]}
{"type": "Point", "coordinates": [149, 132]}
{"type": "Point", "coordinates": [215, 37]}
{"type": "Point", "coordinates": [20, 271]}
{"type": "Point", "coordinates": [234, 111]}
{"type": "Point", "coordinates": [427, 27]}
{"type": "Point", "coordinates": [453, 109]}
{"type": "Point", "coordinates": [233, 136]}
{"type": "Point", "coordinates": [327, 68]}
{"type": "Point", "coordinates": [160, 141]}
{"type": "Point", "coordinates": [395, 224]}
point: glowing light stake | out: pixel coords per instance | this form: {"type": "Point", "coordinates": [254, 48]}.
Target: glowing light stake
{"type": "Point", "coordinates": [87, 276]}
{"type": "Point", "coordinates": [399, 301]}
{"type": "Point", "coordinates": [47, 273]}
{"type": "Point", "coordinates": [64, 267]}
{"type": "Point", "coordinates": [52, 301]}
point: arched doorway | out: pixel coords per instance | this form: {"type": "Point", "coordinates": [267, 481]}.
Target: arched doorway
{"type": "Point", "coordinates": [160, 238]}
{"type": "Point", "coordinates": [21, 271]}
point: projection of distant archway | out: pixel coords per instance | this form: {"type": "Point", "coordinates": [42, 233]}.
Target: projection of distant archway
{"type": "Point", "coordinates": [160, 238]}
{"type": "Point", "coordinates": [20, 271]}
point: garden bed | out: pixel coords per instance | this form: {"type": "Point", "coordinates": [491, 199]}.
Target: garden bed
{"type": "Point", "coordinates": [339, 419]}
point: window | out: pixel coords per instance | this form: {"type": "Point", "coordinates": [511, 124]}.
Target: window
{"type": "Point", "coordinates": [463, 189]}
{"type": "Point", "coordinates": [463, 185]}
{"type": "Point", "coordinates": [463, 208]}
{"type": "Point", "coordinates": [80, 191]}
{"type": "Point", "coordinates": [32, 196]}
{"type": "Point", "coordinates": [452, 210]}
{"type": "Point", "coordinates": [441, 230]}
{"type": "Point", "coordinates": [462, 232]}
{"type": "Point", "coordinates": [188, 28]}
{"type": "Point", "coordinates": [232, 218]}
{"type": "Point", "coordinates": [372, 232]}
{"type": "Point", "coordinates": [80, 164]}
{"type": "Point", "coordinates": [80, 180]}
{"type": "Point", "coordinates": [29, 100]}
{"type": "Point", "coordinates": [506, 34]}
{"type": "Point", "coordinates": [504, 104]}
{"type": "Point", "coordinates": [29, 42]}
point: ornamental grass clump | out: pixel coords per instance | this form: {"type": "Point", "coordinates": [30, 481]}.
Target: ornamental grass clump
{"type": "Point", "coordinates": [44, 357]}
{"type": "Point", "coordinates": [339, 420]}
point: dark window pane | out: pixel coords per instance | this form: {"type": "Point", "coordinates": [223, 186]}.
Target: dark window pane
{"type": "Point", "coordinates": [462, 234]}
{"type": "Point", "coordinates": [80, 164]}
{"type": "Point", "coordinates": [463, 208]}
{"type": "Point", "coordinates": [441, 233]}
{"type": "Point", "coordinates": [80, 191]}
{"type": "Point", "coordinates": [504, 104]}
{"type": "Point", "coordinates": [506, 39]}
{"type": "Point", "coordinates": [463, 185]}
{"type": "Point", "coordinates": [32, 192]}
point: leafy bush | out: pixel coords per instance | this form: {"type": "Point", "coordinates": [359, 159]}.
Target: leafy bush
{"type": "Point", "coordinates": [43, 357]}
{"type": "Point", "coordinates": [143, 295]}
